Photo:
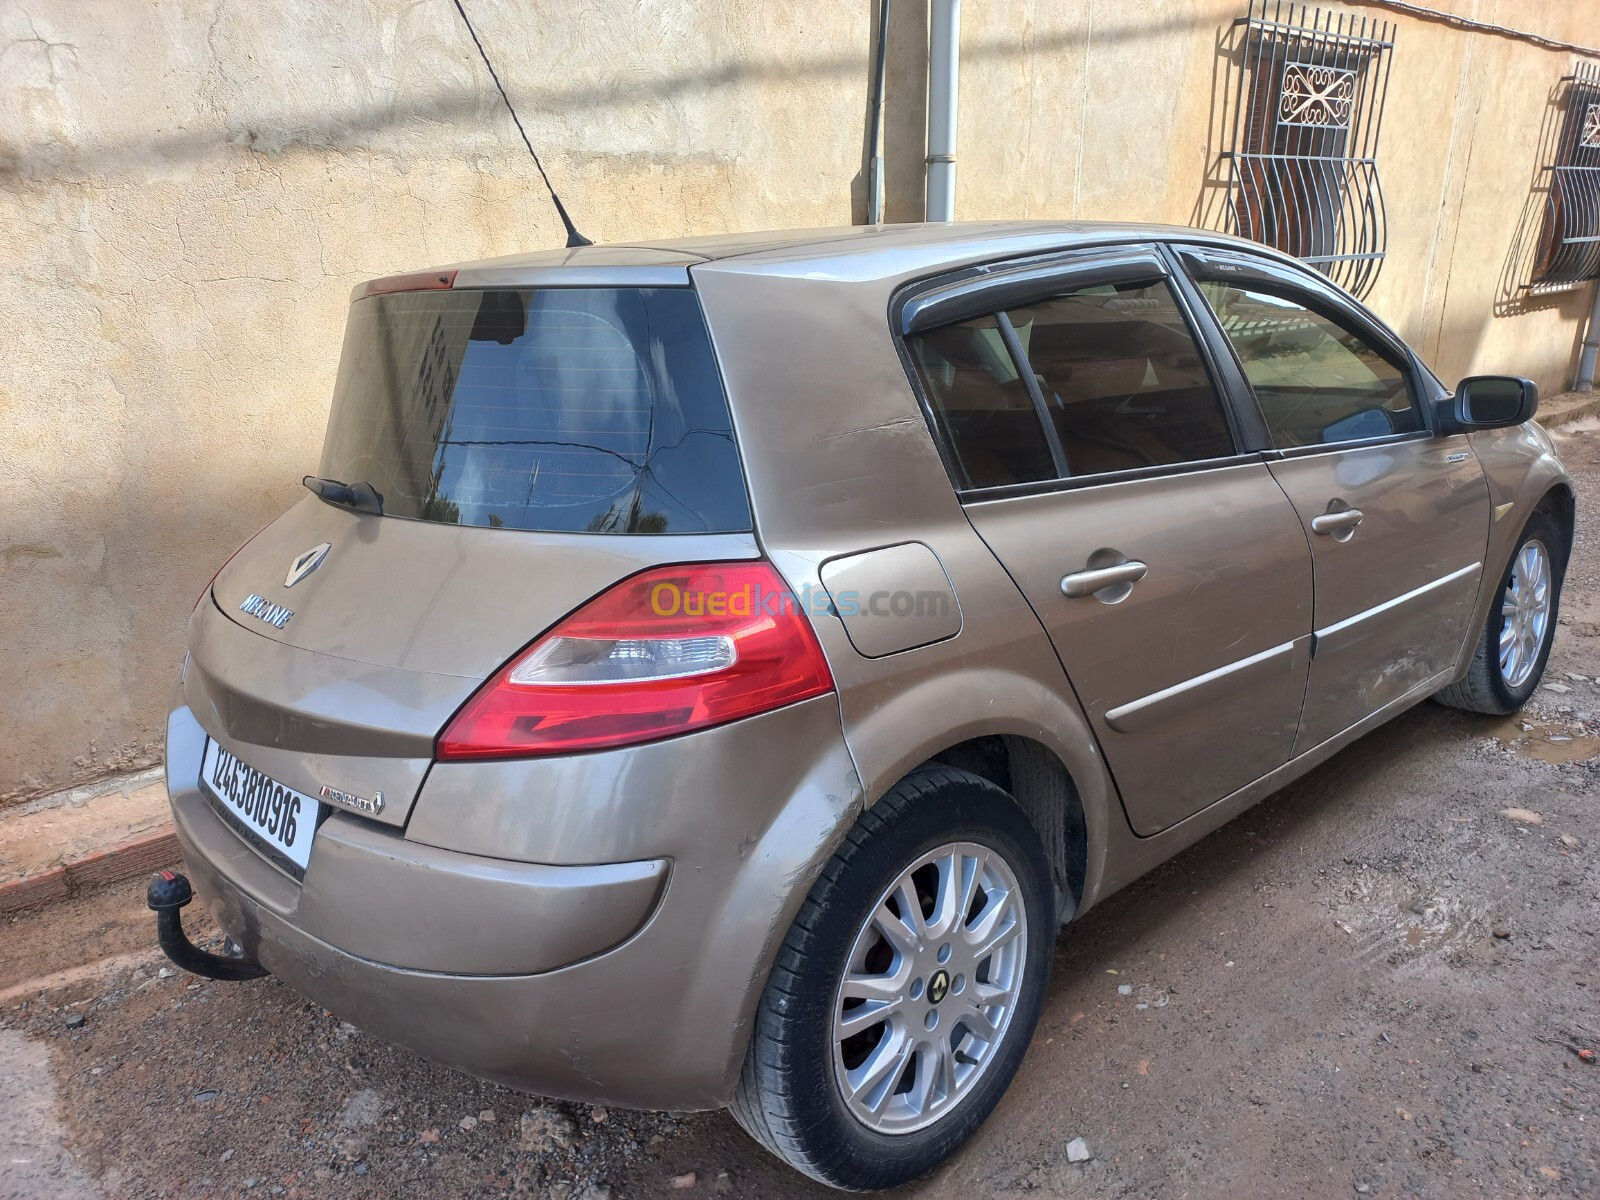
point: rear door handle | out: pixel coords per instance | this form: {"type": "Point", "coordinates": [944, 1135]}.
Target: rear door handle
{"type": "Point", "coordinates": [1333, 522]}
{"type": "Point", "coordinates": [1087, 583]}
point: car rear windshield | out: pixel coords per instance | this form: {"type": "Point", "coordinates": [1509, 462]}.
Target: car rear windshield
{"type": "Point", "coordinates": [592, 410]}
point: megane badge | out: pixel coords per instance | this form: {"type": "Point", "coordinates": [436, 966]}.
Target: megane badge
{"type": "Point", "coordinates": [275, 615]}
{"type": "Point", "coordinates": [306, 563]}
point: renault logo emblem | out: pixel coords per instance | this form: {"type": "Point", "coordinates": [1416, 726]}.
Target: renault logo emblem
{"type": "Point", "coordinates": [939, 986]}
{"type": "Point", "coordinates": [306, 563]}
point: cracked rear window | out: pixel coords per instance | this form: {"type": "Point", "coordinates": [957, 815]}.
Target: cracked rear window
{"type": "Point", "coordinates": [571, 410]}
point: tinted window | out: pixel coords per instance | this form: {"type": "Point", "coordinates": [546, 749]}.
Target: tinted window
{"type": "Point", "coordinates": [1316, 381]}
{"type": "Point", "coordinates": [982, 405]}
{"type": "Point", "coordinates": [1123, 380]}
{"type": "Point", "coordinates": [593, 410]}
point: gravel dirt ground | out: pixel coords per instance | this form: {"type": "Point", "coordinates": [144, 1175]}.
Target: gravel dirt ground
{"type": "Point", "coordinates": [1373, 984]}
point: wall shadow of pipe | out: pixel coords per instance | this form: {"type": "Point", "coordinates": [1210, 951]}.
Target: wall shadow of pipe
{"type": "Point", "coordinates": [905, 116]}
{"type": "Point", "coordinates": [905, 103]}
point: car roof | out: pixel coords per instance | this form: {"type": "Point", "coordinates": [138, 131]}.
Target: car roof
{"type": "Point", "coordinates": [861, 252]}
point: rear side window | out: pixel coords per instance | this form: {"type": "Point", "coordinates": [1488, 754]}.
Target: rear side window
{"type": "Point", "coordinates": [1118, 385]}
{"type": "Point", "coordinates": [1316, 381]}
{"type": "Point", "coordinates": [592, 410]}
{"type": "Point", "coordinates": [1123, 380]}
{"type": "Point", "coordinates": [985, 411]}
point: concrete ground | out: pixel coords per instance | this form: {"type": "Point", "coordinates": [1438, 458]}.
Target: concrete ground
{"type": "Point", "coordinates": [72, 842]}
{"type": "Point", "coordinates": [1373, 984]}
{"type": "Point", "coordinates": [45, 833]}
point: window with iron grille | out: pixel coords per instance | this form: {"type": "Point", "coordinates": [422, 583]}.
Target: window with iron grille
{"type": "Point", "coordinates": [1308, 109]}
{"type": "Point", "coordinates": [1569, 240]}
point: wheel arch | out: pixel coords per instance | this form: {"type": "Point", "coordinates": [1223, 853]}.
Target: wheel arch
{"type": "Point", "coordinates": [1039, 781]}
{"type": "Point", "coordinates": [1561, 502]}
{"type": "Point", "coordinates": [1007, 725]}
{"type": "Point", "coordinates": [1524, 476]}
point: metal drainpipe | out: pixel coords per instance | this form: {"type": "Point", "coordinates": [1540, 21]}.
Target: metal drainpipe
{"type": "Point", "coordinates": [1591, 344]}
{"type": "Point", "coordinates": [944, 72]}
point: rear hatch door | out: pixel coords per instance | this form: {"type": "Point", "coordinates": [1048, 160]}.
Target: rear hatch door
{"type": "Point", "coordinates": [531, 448]}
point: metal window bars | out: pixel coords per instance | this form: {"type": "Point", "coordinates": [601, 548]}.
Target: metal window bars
{"type": "Point", "coordinates": [1308, 109]}
{"type": "Point", "coordinates": [1569, 239]}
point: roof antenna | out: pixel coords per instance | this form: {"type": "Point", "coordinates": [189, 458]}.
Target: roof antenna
{"type": "Point", "coordinates": [574, 238]}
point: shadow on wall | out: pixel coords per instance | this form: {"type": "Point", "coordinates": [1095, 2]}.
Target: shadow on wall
{"type": "Point", "coordinates": [276, 132]}
{"type": "Point", "coordinates": [1516, 293]}
{"type": "Point", "coordinates": [1467, 326]}
{"type": "Point", "coordinates": [1467, 330]}
{"type": "Point", "coordinates": [905, 119]}
{"type": "Point", "coordinates": [1211, 209]}
{"type": "Point", "coordinates": [87, 697]}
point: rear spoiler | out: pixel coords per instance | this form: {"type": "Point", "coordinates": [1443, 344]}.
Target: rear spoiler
{"type": "Point", "coordinates": [416, 281]}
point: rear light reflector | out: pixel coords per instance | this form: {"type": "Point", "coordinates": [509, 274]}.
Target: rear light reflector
{"type": "Point", "coordinates": [667, 651]}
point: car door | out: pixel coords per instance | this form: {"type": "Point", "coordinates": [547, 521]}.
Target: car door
{"type": "Point", "coordinates": [1096, 456]}
{"type": "Point", "coordinates": [1397, 517]}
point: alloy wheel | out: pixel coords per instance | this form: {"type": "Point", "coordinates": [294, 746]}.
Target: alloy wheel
{"type": "Point", "coordinates": [929, 989]}
{"type": "Point", "coordinates": [1525, 614]}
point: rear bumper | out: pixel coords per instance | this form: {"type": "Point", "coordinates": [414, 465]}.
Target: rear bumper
{"type": "Point", "coordinates": [626, 982]}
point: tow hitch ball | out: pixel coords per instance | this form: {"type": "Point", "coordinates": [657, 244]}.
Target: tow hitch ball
{"type": "Point", "coordinates": [169, 892]}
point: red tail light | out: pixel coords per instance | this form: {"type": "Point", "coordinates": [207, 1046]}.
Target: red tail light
{"type": "Point", "coordinates": [667, 651]}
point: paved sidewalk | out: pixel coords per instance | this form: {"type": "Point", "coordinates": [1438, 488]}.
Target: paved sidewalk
{"type": "Point", "coordinates": [1566, 407]}
{"type": "Point", "coordinates": [58, 845]}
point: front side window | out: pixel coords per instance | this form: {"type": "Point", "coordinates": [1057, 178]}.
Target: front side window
{"type": "Point", "coordinates": [1123, 381]}
{"type": "Point", "coordinates": [1317, 382]}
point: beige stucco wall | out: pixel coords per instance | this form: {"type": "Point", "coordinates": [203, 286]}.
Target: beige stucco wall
{"type": "Point", "coordinates": [188, 191]}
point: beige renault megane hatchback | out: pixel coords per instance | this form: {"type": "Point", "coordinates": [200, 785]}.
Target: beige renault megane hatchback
{"type": "Point", "coordinates": [709, 672]}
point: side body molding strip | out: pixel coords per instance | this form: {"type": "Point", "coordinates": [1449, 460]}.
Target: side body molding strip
{"type": "Point", "coordinates": [1160, 706]}
{"type": "Point", "coordinates": [1168, 702]}
{"type": "Point", "coordinates": [1335, 637]}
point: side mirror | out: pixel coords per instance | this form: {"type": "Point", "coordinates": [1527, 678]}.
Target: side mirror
{"type": "Point", "coordinates": [1493, 402]}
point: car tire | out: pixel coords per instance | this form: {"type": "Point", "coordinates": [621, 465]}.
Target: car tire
{"type": "Point", "coordinates": [1499, 683]}
{"type": "Point", "coordinates": [807, 1091]}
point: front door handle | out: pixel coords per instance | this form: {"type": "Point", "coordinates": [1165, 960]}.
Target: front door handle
{"type": "Point", "coordinates": [1336, 522]}
{"type": "Point", "coordinates": [1098, 579]}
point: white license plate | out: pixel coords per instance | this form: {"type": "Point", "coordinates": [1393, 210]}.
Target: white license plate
{"type": "Point", "coordinates": [280, 817]}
